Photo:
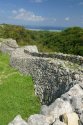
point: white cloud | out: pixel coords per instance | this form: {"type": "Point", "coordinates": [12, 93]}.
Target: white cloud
{"type": "Point", "coordinates": [81, 3]}
{"type": "Point", "coordinates": [37, 1]}
{"type": "Point", "coordinates": [23, 14]}
{"type": "Point", "coordinates": [54, 19]}
{"type": "Point", "coordinates": [14, 11]}
{"type": "Point", "coordinates": [67, 18]}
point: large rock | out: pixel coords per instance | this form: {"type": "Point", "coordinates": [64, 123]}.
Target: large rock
{"type": "Point", "coordinates": [38, 120]}
{"type": "Point", "coordinates": [10, 42]}
{"type": "Point", "coordinates": [70, 118]}
{"type": "Point", "coordinates": [8, 45]}
{"type": "Point", "coordinates": [31, 49]}
{"type": "Point", "coordinates": [77, 103]}
{"type": "Point", "coordinates": [76, 90]}
{"type": "Point", "coordinates": [75, 98]}
{"type": "Point", "coordinates": [44, 110]}
{"type": "Point", "coordinates": [57, 108]}
{"type": "Point", "coordinates": [18, 121]}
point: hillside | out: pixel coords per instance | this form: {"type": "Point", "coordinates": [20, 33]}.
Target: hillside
{"type": "Point", "coordinates": [68, 41]}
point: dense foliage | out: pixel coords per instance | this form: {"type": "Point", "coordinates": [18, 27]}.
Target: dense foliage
{"type": "Point", "coordinates": [68, 41]}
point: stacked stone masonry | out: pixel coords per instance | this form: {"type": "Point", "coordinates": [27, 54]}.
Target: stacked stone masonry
{"type": "Point", "coordinates": [52, 77]}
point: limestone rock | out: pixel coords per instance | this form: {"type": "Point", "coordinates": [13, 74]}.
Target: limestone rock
{"type": "Point", "coordinates": [31, 49]}
{"type": "Point", "coordinates": [18, 121]}
{"type": "Point", "coordinates": [59, 107]}
{"type": "Point", "coordinates": [44, 110]}
{"type": "Point", "coordinates": [8, 45]}
{"type": "Point", "coordinates": [70, 118]}
{"type": "Point", "coordinates": [76, 90]}
{"type": "Point", "coordinates": [37, 120]}
{"type": "Point", "coordinates": [75, 98]}
{"type": "Point", "coordinates": [77, 103]}
{"type": "Point", "coordinates": [10, 42]}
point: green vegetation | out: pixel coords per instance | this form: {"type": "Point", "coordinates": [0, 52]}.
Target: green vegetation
{"type": "Point", "coordinates": [16, 93]}
{"type": "Point", "coordinates": [68, 41]}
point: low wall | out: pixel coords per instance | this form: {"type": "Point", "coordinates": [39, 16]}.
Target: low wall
{"type": "Point", "coordinates": [67, 57]}
{"type": "Point", "coordinates": [52, 77]}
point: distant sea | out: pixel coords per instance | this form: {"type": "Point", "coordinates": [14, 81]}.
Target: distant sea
{"type": "Point", "coordinates": [45, 28]}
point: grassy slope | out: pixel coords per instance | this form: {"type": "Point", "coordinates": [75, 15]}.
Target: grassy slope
{"type": "Point", "coordinates": [16, 93]}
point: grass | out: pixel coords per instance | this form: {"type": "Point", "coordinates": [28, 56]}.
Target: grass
{"type": "Point", "coordinates": [16, 93]}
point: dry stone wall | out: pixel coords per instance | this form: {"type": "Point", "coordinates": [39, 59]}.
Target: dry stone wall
{"type": "Point", "coordinates": [67, 57]}
{"type": "Point", "coordinates": [52, 77]}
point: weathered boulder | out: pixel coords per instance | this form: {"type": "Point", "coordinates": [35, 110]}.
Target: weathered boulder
{"type": "Point", "coordinates": [38, 120]}
{"type": "Point", "coordinates": [8, 45]}
{"type": "Point", "coordinates": [44, 110]}
{"type": "Point", "coordinates": [76, 90]}
{"type": "Point", "coordinates": [18, 121]}
{"type": "Point", "coordinates": [58, 108]}
{"type": "Point", "coordinates": [10, 42]}
{"type": "Point", "coordinates": [75, 98]}
{"type": "Point", "coordinates": [77, 103]}
{"type": "Point", "coordinates": [30, 49]}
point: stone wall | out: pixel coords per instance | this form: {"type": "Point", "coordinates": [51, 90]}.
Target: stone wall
{"type": "Point", "coordinates": [52, 77]}
{"type": "Point", "coordinates": [67, 57]}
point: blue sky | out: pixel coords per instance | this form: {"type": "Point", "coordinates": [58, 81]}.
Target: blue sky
{"type": "Point", "coordinates": [42, 12]}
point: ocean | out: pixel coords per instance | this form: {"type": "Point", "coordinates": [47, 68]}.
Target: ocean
{"type": "Point", "coordinates": [45, 28]}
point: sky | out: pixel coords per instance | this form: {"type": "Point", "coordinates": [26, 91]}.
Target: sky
{"type": "Point", "coordinates": [63, 13]}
